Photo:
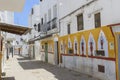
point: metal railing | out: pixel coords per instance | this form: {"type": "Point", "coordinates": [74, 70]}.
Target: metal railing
{"type": "Point", "coordinates": [49, 26]}
{"type": "Point", "coordinates": [54, 23]}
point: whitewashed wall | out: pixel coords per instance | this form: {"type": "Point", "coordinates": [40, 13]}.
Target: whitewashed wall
{"type": "Point", "coordinates": [45, 5]}
{"type": "Point", "coordinates": [37, 50]}
{"type": "Point", "coordinates": [6, 17]}
{"type": "Point", "coordinates": [90, 66]}
{"type": "Point", "coordinates": [35, 19]}
{"type": "Point", "coordinates": [42, 56]}
{"type": "Point", "coordinates": [109, 10]}
{"type": "Point", "coordinates": [109, 13]}
{"type": "Point", "coordinates": [24, 50]}
{"type": "Point", "coordinates": [51, 58]}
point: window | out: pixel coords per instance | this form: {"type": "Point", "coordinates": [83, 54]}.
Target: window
{"type": "Point", "coordinates": [42, 21]}
{"type": "Point", "coordinates": [17, 42]}
{"type": "Point", "coordinates": [32, 11]}
{"type": "Point", "coordinates": [80, 23]}
{"type": "Point", "coordinates": [68, 28]}
{"type": "Point", "coordinates": [35, 26]}
{"type": "Point", "coordinates": [101, 68]}
{"type": "Point", "coordinates": [55, 11]}
{"type": "Point", "coordinates": [97, 20]}
{"type": "Point", "coordinates": [45, 18]}
{"type": "Point", "coordinates": [39, 27]}
{"type": "Point", "coordinates": [49, 14]}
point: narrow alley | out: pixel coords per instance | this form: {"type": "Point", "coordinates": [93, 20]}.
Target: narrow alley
{"type": "Point", "coordinates": [20, 68]}
{"type": "Point", "coordinates": [59, 40]}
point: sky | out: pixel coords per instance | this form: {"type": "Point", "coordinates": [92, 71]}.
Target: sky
{"type": "Point", "coordinates": [21, 18]}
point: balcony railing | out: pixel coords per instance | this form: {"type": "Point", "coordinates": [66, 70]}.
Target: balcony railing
{"type": "Point", "coordinates": [54, 23]}
{"type": "Point", "coordinates": [44, 27]}
{"type": "Point", "coordinates": [49, 26]}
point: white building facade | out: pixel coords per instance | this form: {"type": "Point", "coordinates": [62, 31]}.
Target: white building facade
{"type": "Point", "coordinates": [49, 21]}
{"type": "Point", "coordinates": [84, 21]}
{"type": "Point", "coordinates": [44, 22]}
{"type": "Point", "coordinates": [88, 8]}
{"type": "Point", "coordinates": [34, 23]}
{"type": "Point", "coordinates": [82, 35]}
{"type": "Point", "coordinates": [7, 17]}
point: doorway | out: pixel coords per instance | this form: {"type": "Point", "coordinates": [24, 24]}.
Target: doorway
{"type": "Point", "coordinates": [46, 52]}
{"type": "Point", "coordinates": [33, 51]}
{"type": "Point", "coordinates": [19, 50]}
{"type": "Point", "coordinates": [56, 55]}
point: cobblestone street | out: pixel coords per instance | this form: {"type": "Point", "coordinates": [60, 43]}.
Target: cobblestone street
{"type": "Point", "coordinates": [19, 68]}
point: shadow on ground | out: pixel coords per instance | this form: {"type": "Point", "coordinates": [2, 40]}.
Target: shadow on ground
{"type": "Point", "coordinates": [60, 73]}
{"type": "Point", "coordinates": [8, 78]}
{"type": "Point", "coordinates": [20, 59]}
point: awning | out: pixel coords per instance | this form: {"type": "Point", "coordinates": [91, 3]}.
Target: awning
{"type": "Point", "coordinates": [12, 5]}
{"type": "Point", "coordinates": [14, 29]}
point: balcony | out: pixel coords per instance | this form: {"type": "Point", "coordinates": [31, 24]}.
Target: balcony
{"type": "Point", "coordinates": [52, 26]}
{"type": "Point", "coordinates": [49, 26]}
{"type": "Point", "coordinates": [54, 23]}
{"type": "Point", "coordinates": [43, 29]}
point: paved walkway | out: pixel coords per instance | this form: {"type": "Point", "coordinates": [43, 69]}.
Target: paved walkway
{"type": "Point", "coordinates": [19, 68]}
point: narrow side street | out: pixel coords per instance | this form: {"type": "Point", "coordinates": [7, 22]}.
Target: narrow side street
{"type": "Point", "coordinates": [19, 68]}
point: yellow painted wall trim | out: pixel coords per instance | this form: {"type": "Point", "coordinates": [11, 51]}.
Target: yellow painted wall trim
{"type": "Point", "coordinates": [95, 33]}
